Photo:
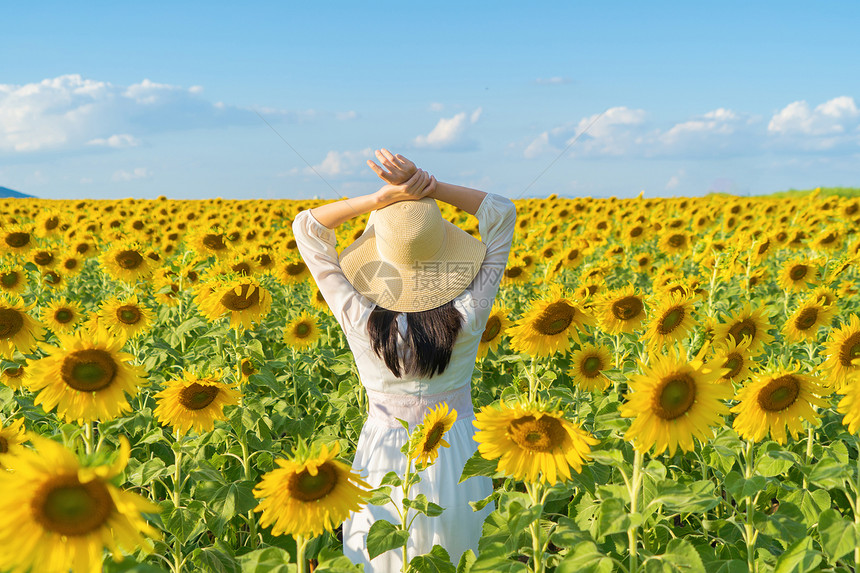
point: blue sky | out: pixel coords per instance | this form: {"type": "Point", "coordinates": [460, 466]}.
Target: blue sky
{"type": "Point", "coordinates": [112, 100]}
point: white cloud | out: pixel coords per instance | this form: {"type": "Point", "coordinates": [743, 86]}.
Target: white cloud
{"type": "Point", "coordinates": [436, 106]}
{"type": "Point", "coordinates": [675, 180]}
{"type": "Point", "coordinates": [450, 133]}
{"type": "Point", "coordinates": [835, 116]}
{"type": "Point", "coordinates": [73, 112]}
{"type": "Point", "coordinates": [340, 163]}
{"type": "Point", "coordinates": [553, 81]}
{"type": "Point", "coordinates": [613, 133]}
{"type": "Point", "coordinates": [136, 173]}
{"type": "Point", "coordinates": [116, 141]}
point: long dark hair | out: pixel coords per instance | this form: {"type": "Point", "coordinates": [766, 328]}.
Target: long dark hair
{"type": "Point", "coordinates": [430, 337]}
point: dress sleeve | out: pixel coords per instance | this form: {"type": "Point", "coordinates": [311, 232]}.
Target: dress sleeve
{"type": "Point", "coordinates": [316, 244]}
{"type": "Point", "coordinates": [497, 217]}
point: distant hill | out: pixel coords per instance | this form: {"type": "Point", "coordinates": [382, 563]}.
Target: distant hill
{"type": "Point", "coordinates": [8, 193]}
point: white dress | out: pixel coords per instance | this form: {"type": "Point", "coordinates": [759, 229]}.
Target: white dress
{"type": "Point", "coordinates": [458, 528]}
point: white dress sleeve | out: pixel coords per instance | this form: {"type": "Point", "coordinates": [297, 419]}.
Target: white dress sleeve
{"type": "Point", "coordinates": [497, 217]}
{"type": "Point", "coordinates": [317, 245]}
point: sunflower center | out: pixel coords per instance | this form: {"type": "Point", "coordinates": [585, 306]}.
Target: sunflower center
{"type": "Point", "coordinates": [64, 315]}
{"type": "Point", "coordinates": [128, 314]}
{"type": "Point", "coordinates": [88, 370]}
{"type": "Point", "coordinates": [53, 278]}
{"type": "Point", "coordinates": [779, 393]}
{"type": "Point", "coordinates": [677, 240]}
{"type": "Point", "coordinates": [797, 272]}
{"type": "Point", "coordinates": [433, 437]}
{"type": "Point", "coordinates": [303, 329]}
{"type": "Point", "coordinates": [295, 269]}
{"type": "Point", "coordinates": [17, 240]}
{"type": "Point", "coordinates": [247, 297]}
{"type": "Point", "coordinates": [52, 223]}
{"type": "Point", "coordinates": [247, 368]}
{"type": "Point", "coordinates": [636, 231]}
{"type": "Point", "coordinates": [14, 372]}
{"type": "Point", "coordinates": [543, 434]}
{"type": "Point", "coordinates": [68, 507]}
{"type": "Point", "coordinates": [807, 319]}
{"type": "Point", "coordinates": [675, 397]}
{"type": "Point", "coordinates": [242, 269]}
{"type": "Point", "coordinates": [214, 242]}
{"type": "Point", "coordinates": [129, 259]}
{"type": "Point", "coordinates": [849, 350]}
{"type": "Point", "coordinates": [555, 318]}
{"type": "Point", "coordinates": [494, 325]}
{"type": "Point", "coordinates": [746, 327]}
{"type": "Point", "coordinates": [627, 308]}
{"type": "Point", "coordinates": [306, 487]}
{"type": "Point", "coordinates": [43, 258]}
{"type": "Point", "coordinates": [11, 322]}
{"type": "Point", "coordinates": [9, 279]}
{"type": "Point", "coordinates": [70, 264]}
{"type": "Point", "coordinates": [4, 445]}
{"type": "Point", "coordinates": [197, 396]}
{"type": "Point", "coordinates": [591, 366]}
{"type": "Point", "coordinates": [513, 272]}
{"type": "Point", "coordinates": [735, 362]}
{"type": "Point", "coordinates": [671, 320]}
{"type": "Point", "coordinates": [573, 254]}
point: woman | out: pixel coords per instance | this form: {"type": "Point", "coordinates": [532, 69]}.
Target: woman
{"type": "Point", "coordinates": [413, 294]}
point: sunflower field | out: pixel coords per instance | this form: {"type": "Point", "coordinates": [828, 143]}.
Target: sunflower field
{"type": "Point", "coordinates": [663, 385]}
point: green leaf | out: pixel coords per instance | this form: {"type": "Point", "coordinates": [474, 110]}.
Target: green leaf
{"type": "Point", "coordinates": [493, 559]}
{"type": "Point", "coordinates": [229, 500]}
{"type": "Point", "coordinates": [332, 561]}
{"type": "Point", "coordinates": [695, 497]}
{"type": "Point", "coordinates": [585, 558]}
{"type": "Point", "coordinates": [391, 478]}
{"type": "Point", "coordinates": [145, 473]}
{"type": "Point", "coordinates": [380, 496]}
{"type": "Point", "coordinates": [466, 561]}
{"type": "Point", "coordinates": [836, 534]}
{"type": "Point", "coordinates": [128, 565]}
{"type": "Point", "coordinates": [798, 558]}
{"type": "Point", "coordinates": [811, 503]}
{"type": "Point", "coordinates": [422, 505]}
{"type": "Point", "coordinates": [211, 559]}
{"type": "Point", "coordinates": [680, 556]}
{"type": "Point", "coordinates": [612, 458]}
{"type": "Point", "coordinates": [739, 487]}
{"type": "Point", "coordinates": [785, 525]}
{"type": "Point", "coordinates": [268, 560]}
{"type": "Point", "coordinates": [774, 460]}
{"type": "Point", "coordinates": [183, 522]}
{"type": "Point", "coordinates": [477, 465]}
{"type": "Point", "coordinates": [437, 561]}
{"type": "Point", "coordinates": [828, 473]}
{"type": "Point", "coordinates": [384, 536]}
{"type": "Point", "coordinates": [613, 517]}
{"type": "Point", "coordinates": [568, 534]}
{"type": "Point", "coordinates": [519, 517]}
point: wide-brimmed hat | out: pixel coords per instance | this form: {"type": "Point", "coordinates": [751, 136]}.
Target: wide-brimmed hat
{"type": "Point", "coordinates": [410, 259]}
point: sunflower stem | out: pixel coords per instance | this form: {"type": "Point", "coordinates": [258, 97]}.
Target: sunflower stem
{"type": "Point", "coordinates": [404, 523]}
{"type": "Point", "coordinates": [857, 511]}
{"type": "Point", "coordinates": [750, 534]}
{"type": "Point", "coordinates": [301, 562]}
{"type": "Point", "coordinates": [535, 494]}
{"type": "Point", "coordinates": [88, 437]}
{"type": "Point", "coordinates": [635, 482]}
{"type": "Point", "coordinates": [810, 439]}
{"type": "Point", "coordinates": [177, 485]}
{"type": "Point", "coordinates": [246, 464]}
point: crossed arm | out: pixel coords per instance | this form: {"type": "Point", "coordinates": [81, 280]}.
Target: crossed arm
{"type": "Point", "coordinates": [404, 182]}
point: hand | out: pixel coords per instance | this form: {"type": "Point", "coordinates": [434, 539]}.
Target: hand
{"type": "Point", "coordinates": [399, 168]}
{"type": "Point", "coordinates": [420, 185]}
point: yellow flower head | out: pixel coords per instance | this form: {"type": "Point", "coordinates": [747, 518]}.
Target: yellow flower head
{"type": "Point", "coordinates": [428, 437]}
{"type": "Point", "coordinates": [194, 401]}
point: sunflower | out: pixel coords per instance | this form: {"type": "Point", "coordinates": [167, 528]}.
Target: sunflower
{"type": "Point", "coordinates": [588, 364]}
{"type": "Point", "coordinates": [16, 240]}
{"type": "Point", "coordinates": [549, 324]}
{"type": "Point", "coordinates": [293, 270]}
{"type": "Point", "coordinates": [497, 324]}
{"type": "Point", "coordinates": [843, 350]}
{"type": "Point", "coordinates": [533, 442]}
{"type": "Point", "coordinates": [44, 259]}
{"type": "Point", "coordinates": [62, 315]}
{"type": "Point", "coordinates": [675, 242]}
{"type": "Point", "coordinates": [242, 297]}
{"type": "Point", "coordinates": [318, 301]}
{"type": "Point", "coordinates": [427, 438]}
{"type": "Point", "coordinates": [13, 279]}
{"type": "Point", "coordinates": [247, 368]}
{"type": "Point", "coordinates": [850, 403]}
{"type": "Point", "coordinates": [673, 401]}
{"type": "Point", "coordinates": [302, 332]}
{"type": "Point", "coordinates": [775, 401]}
{"type": "Point", "coordinates": [516, 272]}
{"type": "Point", "coordinates": [70, 264]}
{"type": "Point", "coordinates": [830, 239]}
{"type": "Point", "coordinates": [807, 319]}
{"type": "Point", "coordinates": [746, 322]}
{"type": "Point", "coordinates": [309, 493]}
{"type": "Point", "coordinates": [18, 330]}
{"type": "Point", "coordinates": [798, 275]}
{"type": "Point", "coordinates": [734, 359]}
{"type": "Point", "coordinates": [12, 435]}
{"type": "Point", "coordinates": [671, 320]}
{"type": "Point", "coordinates": [824, 295]}
{"type": "Point", "coordinates": [165, 286]}
{"type": "Point", "coordinates": [49, 222]}
{"type": "Point", "coordinates": [209, 242]}
{"type": "Point", "coordinates": [13, 377]}
{"type": "Point", "coordinates": [86, 377]}
{"type": "Point", "coordinates": [194, 400]}
{"type": "Point", "coordinates": [127, 262]}
{"type": "Point", "coordinates": [59, 515]}
{"type": "Point", "coordinates": [125, 318]}
{"type": "Point", "coordinates": [621, 310]}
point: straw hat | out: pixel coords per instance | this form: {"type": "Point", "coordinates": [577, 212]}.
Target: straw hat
{"type": "Point", "coordinates": [410, 259]}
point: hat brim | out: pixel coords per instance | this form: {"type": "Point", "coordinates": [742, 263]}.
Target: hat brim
{"type": "Point", "coordinates": [418, 287]}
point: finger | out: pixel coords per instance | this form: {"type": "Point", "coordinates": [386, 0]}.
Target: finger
{"type": "Point", "coordinates": [431, 186]}
{"type": "Point", "coordinates": [379, 170]}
